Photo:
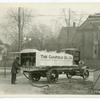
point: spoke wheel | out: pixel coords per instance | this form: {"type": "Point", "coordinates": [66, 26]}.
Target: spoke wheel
{"type": "Point", "coordinates": [34, 77]}
{"type": "Point", "coordinates": [52, 76]}
{"type": "Point", "coordinates": [85, 74]}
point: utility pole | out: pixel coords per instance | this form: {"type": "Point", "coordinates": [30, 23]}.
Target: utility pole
{"type": "Point", "coordinates": [67, 21]}
{"type": "Point", "coordinates": [69, 13]}
{"type": "Point", "coordinates": [19, 29]}
{"type": "Point", "coordinates": [68, 32]}
{"type": "Point", "coordinates": [65, 17]}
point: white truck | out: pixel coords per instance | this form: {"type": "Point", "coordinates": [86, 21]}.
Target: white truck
{"type": "Point", "coordinates": [37, 64]}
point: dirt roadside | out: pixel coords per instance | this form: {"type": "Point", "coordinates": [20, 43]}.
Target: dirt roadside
{"type": "Point", "coordinates": [64, 86]}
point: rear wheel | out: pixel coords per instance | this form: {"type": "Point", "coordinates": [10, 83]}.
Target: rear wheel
{"type": "Point", "coordinates": [34, 77]}
{"type": "Point", "coordinates": [52, 76]}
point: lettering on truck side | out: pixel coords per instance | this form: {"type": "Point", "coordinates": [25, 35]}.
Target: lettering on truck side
{"type": "Point", "coordinates": [55, 57]}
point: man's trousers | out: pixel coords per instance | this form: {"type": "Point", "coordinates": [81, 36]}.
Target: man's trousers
{"type": "Point", "coordinates": [13, 78]}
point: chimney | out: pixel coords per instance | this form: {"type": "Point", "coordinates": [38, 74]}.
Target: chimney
{"type": "Point", "coordinates": [74, 24]}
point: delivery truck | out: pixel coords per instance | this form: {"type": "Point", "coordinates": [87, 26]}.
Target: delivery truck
{"type": "Point", "coordinates": [36, 64]}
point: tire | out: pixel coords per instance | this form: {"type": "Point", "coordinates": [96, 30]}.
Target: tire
{"type": "Point", "coordinates": [85, 74]}
{"type": "Point", "coordinates": [34, 77]}
{"type": "Point", "coordinates": [52, 76]}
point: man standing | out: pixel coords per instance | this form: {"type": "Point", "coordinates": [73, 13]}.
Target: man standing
{"type": "Point", "coordinates": [15, 68]}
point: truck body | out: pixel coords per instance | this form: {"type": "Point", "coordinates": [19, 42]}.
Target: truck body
{"type": "Point", "coordinates": [35, 58]}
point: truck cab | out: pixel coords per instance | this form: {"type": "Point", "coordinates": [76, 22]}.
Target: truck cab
{"type": "Point", "coordinates": [75, 52]}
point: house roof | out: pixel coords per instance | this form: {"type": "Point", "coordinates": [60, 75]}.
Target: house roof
{"type": "Point", "coordinates": [92, 22]}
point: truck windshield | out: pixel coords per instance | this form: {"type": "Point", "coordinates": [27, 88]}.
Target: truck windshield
{"type": "Point", "coordinates": [75, 53]}
{"type": "Point", "coordinates": [28, 59]}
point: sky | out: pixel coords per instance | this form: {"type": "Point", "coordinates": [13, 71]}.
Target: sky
{"type": "Point", "coordinates": [52, 16]}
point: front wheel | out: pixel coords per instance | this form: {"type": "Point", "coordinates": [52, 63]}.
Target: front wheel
{"type": "Point", "coordinates": [85, 74]}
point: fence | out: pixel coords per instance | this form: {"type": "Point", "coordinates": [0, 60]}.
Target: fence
{"type": "Point", "coordinates": [6, 63]}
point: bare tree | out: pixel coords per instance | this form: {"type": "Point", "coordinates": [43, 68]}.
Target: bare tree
{"type": "Point", "coordinates": [20, 21]}
{"type": "Point", "coordinates": [40, 34]}
{"type": "Point", "coordinates": [17, 23]}
{"type": "Point", "coordinates": [71, 16]}
{"type": "Point", "coordinates": [72, 20]}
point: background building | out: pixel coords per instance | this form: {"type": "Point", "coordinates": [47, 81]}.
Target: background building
{"type": "Point", "coordinates": [86, 38]}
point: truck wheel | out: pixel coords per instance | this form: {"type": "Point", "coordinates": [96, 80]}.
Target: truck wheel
{"type": "Point", "coordinates": [85, 74]}
{"type": "Point", "coordinates": [34, 77]}
{"type": "Point", "coordinates": [52, 76]}
{"type": "Point", "coordinates": [69, 76]}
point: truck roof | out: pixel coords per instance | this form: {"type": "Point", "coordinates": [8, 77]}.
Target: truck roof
{"type": "Point", "coordinates": [44, 51]}
{"type": "Point", "coordinates": [72, 49]}
{"type": "Point", "coordinates": [28, 50]}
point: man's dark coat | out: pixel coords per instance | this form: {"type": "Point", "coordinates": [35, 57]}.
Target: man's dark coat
{"type": "Point", "coordinates": [15, 67]}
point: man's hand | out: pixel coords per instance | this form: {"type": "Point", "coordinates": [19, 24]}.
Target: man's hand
{"type": "Point", "coordinates": [18, 70]}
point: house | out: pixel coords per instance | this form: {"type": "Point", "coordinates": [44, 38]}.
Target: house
{"type": "Point", "coordinates": [90, 32]}
{"type": "Point", "coordinates": [86, 37]}
{"type": "Point", "coordinates": [66, 37]}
